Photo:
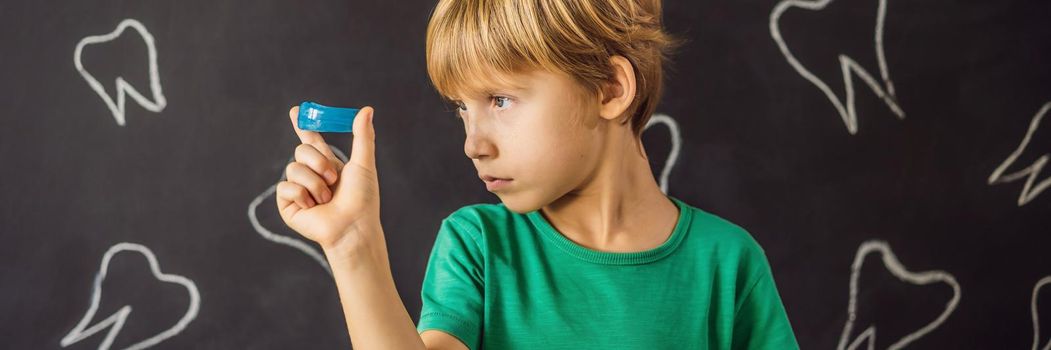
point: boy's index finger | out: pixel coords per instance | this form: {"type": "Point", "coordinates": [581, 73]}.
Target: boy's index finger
{"type": "Point", "coordinates": [312, 138]}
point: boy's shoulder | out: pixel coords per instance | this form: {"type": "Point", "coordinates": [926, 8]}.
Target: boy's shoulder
{"type": "Point", "coordinates": [477, 219]}
{"type": "Point", "coordinates": [715, 234]}
{"type": "Point", "coordinates": [717, 228]}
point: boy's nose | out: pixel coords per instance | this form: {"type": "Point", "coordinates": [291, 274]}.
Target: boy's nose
{"type": "Point", "coordinates": [477, 146]}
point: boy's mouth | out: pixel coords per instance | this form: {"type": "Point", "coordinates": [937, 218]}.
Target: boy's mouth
{"type": "Point", "coordinates": [493, 183]}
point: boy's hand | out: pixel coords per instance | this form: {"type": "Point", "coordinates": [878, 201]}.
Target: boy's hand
{"type": "Point", "coordinates": [332, 203]}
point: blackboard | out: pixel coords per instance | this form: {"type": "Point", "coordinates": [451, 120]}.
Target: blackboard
{"type": "Point", "coordinates": [912, 214]}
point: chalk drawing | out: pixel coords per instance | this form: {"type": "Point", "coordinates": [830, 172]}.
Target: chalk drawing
{"type": "Point", "coordinates": [1036, 317]}
{"type": "Point", "coordinates": [1028, 191]}
{"type": "Point", "coordinates": [296, 243]}
{"type": "Point", "coordinates": [848, 66]}
{"type": "Point", "coordinates": [895, 267]}
{"type": "Point", "coordinates": [676, 143]}
{"type": "Point", "coordinates": [123, 88]}
{"type": "Point", "coordinates": [116, 320]}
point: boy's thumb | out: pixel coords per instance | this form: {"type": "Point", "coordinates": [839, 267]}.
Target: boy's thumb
{"type": "Point", "coordinates": [362, 150]}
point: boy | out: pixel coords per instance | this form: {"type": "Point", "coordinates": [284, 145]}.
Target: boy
{"type": "Point", "coordinates": [584, 251]}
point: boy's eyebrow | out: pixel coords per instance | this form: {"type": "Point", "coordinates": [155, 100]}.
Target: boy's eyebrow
{"type": "Point", "coordinates": [516, 88]}
{"type": "Point", "coordinates": [488, 92]}
{"type": "Point", "coordinates": [492, 86]}
{"type": "Point", "coordinates": [492, 92]}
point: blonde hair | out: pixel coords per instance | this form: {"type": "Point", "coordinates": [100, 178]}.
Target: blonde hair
{"type": "Point", "coordinates": [475, 42]}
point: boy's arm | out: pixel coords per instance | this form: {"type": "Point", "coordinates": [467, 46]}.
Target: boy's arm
{"type": "Point", "coordinates": [436, 339]}
{"type": "Point", "coordinates": [337, 206]}
{"type": "Point", "coordinates": [376, 318]}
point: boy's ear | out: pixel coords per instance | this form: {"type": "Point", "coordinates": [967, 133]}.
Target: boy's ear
{"type": "Point", "coordinates": [619, 92]}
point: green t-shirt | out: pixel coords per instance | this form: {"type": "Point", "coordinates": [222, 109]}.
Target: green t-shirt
{"type": "Point", "coordinates": [497, 279]}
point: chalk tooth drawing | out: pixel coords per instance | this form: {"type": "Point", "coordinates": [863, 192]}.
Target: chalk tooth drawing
{"type": "Point", "coordinates": [898, 270]}
{"type": "Point", "coordinates": [1036, 317]}
{"type": "Point", "coordinates": [1029, 191]}
{"type": "Point", "coordinates": [116, 320]}
{"type": "Point", "coordinates": [676, 143]}
{"type": "Point", "coordinates": [122, 87]}
{"type": "Point", "coordinates": [849, 67]}
{"type": "Point", "coordinates": [285, 239]}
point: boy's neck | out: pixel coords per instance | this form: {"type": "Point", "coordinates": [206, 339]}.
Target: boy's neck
{"type": "Point", "coordinates": [620, 208]}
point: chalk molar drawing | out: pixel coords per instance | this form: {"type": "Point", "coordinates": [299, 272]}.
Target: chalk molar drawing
{"type": "Point", "coordinates": [676, 144]}
{"type": "Point", "coordinates": [122, 87]}
{"type": "Point", "coordinates": [1029, 191]}
{"type": "Point", "coordinates": [116, 320]}
{"type": "Point", "coordinates": [849, 67]}
{"type": "Point", "coordinates": [895, 267]}
{"type": "Point", "coordinates": [1036, 316]}
{"type": "Point", "coordinates": [288, 240]}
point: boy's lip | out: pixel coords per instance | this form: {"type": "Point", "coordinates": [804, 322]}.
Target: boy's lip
{"type": "Point", "coordinates": [488, 178]}
{"type": "Point", "coordinates": [494, 183]}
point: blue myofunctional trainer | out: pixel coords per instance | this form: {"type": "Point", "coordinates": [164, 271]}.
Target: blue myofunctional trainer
{"type": "Point", "coordinates": [321, 118]}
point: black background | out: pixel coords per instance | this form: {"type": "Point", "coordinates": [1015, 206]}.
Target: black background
{"type": "Point", "coordinates": [762, 147]}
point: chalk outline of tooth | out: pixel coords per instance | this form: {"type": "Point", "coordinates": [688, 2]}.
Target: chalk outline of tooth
{"type": "Point", "coordinates": [890, 261]}
{"type": "Point", "coordinates": [1036, 317]}
{"type": "Point", "coordinates": [118, 318]}
{"type": "Point", "coordinates": [846, 64]}
{"type": "Point", "coordinates": [122, 86]}
{"type": "Point", "coordinates": [676, 144]}
{"type": "Point", "coordinates": [299, 244]}
{"type": "Point", "coordinates": [1028, 191]}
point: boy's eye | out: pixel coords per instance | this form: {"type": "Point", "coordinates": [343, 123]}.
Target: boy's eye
{"type": "Point", "coordinates": [459, 108]}
{"type": "Point", "coordinates": [498, 101]}
{"type": "Point", "coordinates": [501, 101]}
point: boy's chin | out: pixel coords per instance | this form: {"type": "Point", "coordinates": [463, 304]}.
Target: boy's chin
{"type": "Point", "coordinates": [519, 202]}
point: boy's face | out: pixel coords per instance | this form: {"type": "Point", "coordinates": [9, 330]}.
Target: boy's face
{"type": "Point", "coordinates": [544, 136]}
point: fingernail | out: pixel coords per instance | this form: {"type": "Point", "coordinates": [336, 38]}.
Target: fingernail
{"type": "Point", "coordinates": [310, 202]}
{"type": "Point", "coordinates": [325, 197]}
{"type": "Point", "coordinates": [330, 176]}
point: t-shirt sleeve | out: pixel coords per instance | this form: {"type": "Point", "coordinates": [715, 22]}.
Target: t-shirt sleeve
{"type": "Point", "coordinates": [761, 321]}
{"type": "Point", "coordinates": [452, 290]}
